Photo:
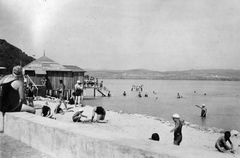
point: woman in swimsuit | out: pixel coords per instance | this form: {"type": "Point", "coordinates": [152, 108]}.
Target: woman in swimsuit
{"type": "Point", "coordinates": [13, 95]}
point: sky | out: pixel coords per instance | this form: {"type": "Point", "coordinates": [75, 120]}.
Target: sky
{"type": "Point", "coordinates": [161, 35]}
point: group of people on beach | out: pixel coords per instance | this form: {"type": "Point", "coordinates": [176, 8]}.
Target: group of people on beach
{"type": "Point", "coordinates": [13, 99]}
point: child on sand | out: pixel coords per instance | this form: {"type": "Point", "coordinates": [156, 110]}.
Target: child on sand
{"type": "Point", "coordinates": [78, 115]}
{"type": "Point", "coordinates": [177, 129]}
{"type": "Point", "coordinates": [101, 113]}
{"type": "Point", "coordinates": [155, 137]}
{"type": "Point", "coordinates": [46, 111]}
{"type": "Point", "coordinates": [221, 143]}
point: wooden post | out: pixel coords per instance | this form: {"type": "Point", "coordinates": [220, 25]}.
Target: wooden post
{"type": "Point", "coordinates": [94, 92]}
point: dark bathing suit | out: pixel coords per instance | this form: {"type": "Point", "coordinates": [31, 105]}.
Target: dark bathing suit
{"type": "Point", "coordinates": [45, 110]}
{"type": "Point", "coordinates": [178, 134]}
{"type": "Point", "coordinates": [100, 111]}
{"type": "Point", "coordinates": [30, 93]}
{"type": "Point", "coordinates": [203, 113]}
{"type": "Point", "coordinates": [10, 99]}
{"type": "Point", "coordinates": [78, 92]}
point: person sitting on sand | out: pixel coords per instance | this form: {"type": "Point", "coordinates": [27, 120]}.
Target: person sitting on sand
{"type": "Point", "coordinates": [146, 94]}
{"type": "Point", "coordinates": [204, 110]}
{"type": "Point", "coordinates": [46, 111]}
{"type": "Point", "coordinates": [139, 95]}
{"type": "Point", "coordinates": [78, 115]}
{"type": "Point", "coordinates": [13, 97]}
{"type": "Point", "coordinates": [155, 137]}
{"type": "Point", "coordinates": [59, 111]}
{"type": "Point", "coordinates": [177, 129]}
{"type": "Point", "coordinates": [71, 101]}
{"type": "Point", "coordinates": [221, 143]}
{"type": "Point", "coordinates": [101, 113]}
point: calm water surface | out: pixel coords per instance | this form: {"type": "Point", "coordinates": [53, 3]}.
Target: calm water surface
{"type": "Point", "coordinates": [222, 100]}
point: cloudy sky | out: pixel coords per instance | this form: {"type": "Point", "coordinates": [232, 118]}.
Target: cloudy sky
{"type": "Point", "coordinates": [161, 35]}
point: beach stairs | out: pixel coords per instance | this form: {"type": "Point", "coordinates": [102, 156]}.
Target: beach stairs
{"type": "Point", "coordinates": [102, 91]}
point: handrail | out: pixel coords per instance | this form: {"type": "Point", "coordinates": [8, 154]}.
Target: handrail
{"type": "Point", "coordinates": [32, 82]}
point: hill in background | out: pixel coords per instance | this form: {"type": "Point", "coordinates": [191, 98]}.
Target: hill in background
{"type": "Point", "coordinates": [208, 74]}
{"type": "Point", "coordinates": [11, 56]}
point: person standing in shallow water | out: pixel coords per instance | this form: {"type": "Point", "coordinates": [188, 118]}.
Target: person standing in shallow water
{"type": "Point", "coordinates": [13, 97]}
{"type": "Point", "coordinates": [203, 111]}
{"type": "Point", "coordinates": [177, 130]}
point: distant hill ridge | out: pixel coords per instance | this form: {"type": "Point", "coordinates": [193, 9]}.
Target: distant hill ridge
{"type": "Point", "coordinates": [11, 56]}
{"type": "Point", "coordinates": [202, 74]}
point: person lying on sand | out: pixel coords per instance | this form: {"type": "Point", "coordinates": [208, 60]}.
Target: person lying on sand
{"type": "Point", "coordinates": [221, 143]}
{"type": "Point", "coordinates": [101, 113]}
{"type": "Point", "coordinates": [78, 115]}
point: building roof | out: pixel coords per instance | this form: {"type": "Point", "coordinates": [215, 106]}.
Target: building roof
{"type": "Point", "coordinates": [43, 64]}
{"type": "Point", "coordinates": [74, 68]}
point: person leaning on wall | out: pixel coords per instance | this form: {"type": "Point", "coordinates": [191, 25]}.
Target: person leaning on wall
{"type": "Point", "coordinates": [13, 95]}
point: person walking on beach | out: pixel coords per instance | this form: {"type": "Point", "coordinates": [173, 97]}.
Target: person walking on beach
{"type": "Point", "coordinates": [13, 97]}
{"type": "Point", "coordinates": [60, 91]}
{"type": "Point", "coordinates": [101, 113]}
{"type": "Point", "coordinates": [203, 111]}
{"type": "Point", "coordinates": [221, 143]}
{"type": "Point", "coordinates": [177, 130]}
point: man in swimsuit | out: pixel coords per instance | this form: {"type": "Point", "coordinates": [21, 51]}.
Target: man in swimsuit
{"type": "Point", "coordinates": [78, 93]}
{"type": "Point", "coordinates": [101, 113]}
{"type": "Point", "coordinates": [30, 95]}
{"type": "Point", "coordinates": [203, 111]}
{"type": "Point", "coordinates": [177, 130]}
{"type": "Point", "coordinates": [13, 95]}
{"type": "Point", "coordinates": [61, 90]}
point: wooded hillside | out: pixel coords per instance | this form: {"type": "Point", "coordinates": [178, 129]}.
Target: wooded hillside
{"type": "Point", "coordinates": [11, 56]}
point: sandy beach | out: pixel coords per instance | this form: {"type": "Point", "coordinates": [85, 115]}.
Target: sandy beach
{"type": "Point", "coordinates": [197, 141]}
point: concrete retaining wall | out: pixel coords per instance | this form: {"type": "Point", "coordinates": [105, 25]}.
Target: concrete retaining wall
{"type": "Point", "coordinates": [1, 122]}
{"type": "Point", "coordinates": [61, 139]}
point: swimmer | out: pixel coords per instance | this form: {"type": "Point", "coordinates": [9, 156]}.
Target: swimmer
{"type": "Point", "coordinates": [139, 95]}
{"type": "Point", "coordinates": [146, 94]}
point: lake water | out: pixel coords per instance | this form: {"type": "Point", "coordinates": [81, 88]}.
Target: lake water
{"type": "Point", "coordinates": [222, 100]}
